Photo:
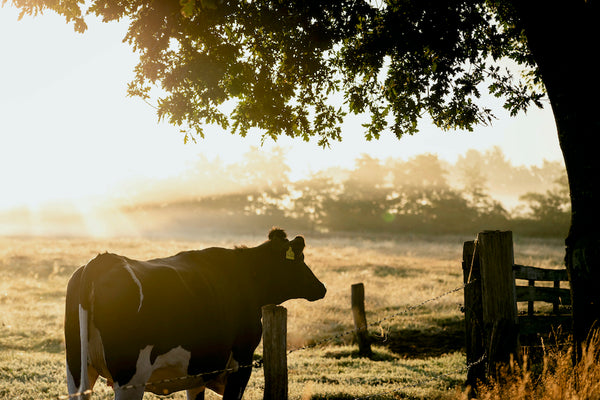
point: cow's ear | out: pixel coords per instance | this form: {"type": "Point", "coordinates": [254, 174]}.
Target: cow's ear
{"type": "Point", "coordinates": [297, 245]}
{"type": "Point", "coordinates": [278, 240]}
{"type": "Point", "coordinates": [277, 233]}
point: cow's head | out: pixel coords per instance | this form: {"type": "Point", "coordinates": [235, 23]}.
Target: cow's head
{"type": "Point", "coordinates": [290, 277]}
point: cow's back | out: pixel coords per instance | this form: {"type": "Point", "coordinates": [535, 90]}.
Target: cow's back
{"type": "Point", "coordinates": [181, 301]}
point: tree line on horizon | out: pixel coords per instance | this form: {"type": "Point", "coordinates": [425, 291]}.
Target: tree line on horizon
{"type": "Point", "coordinates": [424, 194]}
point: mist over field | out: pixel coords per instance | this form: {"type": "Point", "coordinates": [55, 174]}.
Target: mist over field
{"type": "Point", "coordinates": [422, 194]}
{"type": "Point", "coordinates": [395, 225]}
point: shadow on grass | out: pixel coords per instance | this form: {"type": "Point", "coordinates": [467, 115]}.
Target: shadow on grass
{"type": "Point", "coordinates": [46, 345]}
{"type": "Point", "coordinates": [392, 395]}
{"type": "Point", "coordinates": [345, 396]}
{"type": "Point", "coordinates": [338, 354]}
{"type": "Point", "coordinates": [447, 337]}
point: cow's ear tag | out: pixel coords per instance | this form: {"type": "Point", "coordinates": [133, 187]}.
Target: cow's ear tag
{"type": "Point", "coordinates": [289, 255]}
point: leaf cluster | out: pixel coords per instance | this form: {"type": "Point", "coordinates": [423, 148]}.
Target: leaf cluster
{"type": "Point", "coordinates": [412, 59]}
{"type": "Point", "coordinates": [298, 67]}
{"type": "Point", "coordinates": [70, 9]}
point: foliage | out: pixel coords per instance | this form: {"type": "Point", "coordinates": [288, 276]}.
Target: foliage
{"type": "Point", "coordinates": [284, 67]}
{"type": "Point", "coordinates": [552, 206]}
{"type": "Point", "coordinates": [418, 195]}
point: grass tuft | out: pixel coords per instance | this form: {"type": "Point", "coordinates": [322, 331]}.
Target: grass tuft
{"type": "Point", "coordinates": [554, 378]}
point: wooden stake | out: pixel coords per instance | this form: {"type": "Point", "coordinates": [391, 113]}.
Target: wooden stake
{"type": "Point", "coordinates": [474, 330]}
{"type": "Point", "coordinates": [360, 320]}
{"type": "Point", "coordinates": [498, 295]}
{"type": "Point", "coordinates": [275, 352]}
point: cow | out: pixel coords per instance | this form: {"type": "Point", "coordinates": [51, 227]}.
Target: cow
{"type": "Point", "coordinates": [187, 322]}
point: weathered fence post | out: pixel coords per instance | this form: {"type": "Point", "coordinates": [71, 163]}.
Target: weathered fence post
{"type": "Point", "coordinates": [530, 283]}
{"type": "Point", "coordinates": [360, 320]}
{"type": "Point", "coordinates": [555, 304]}
{"type": "Point", "coordinates": [498, 296]}
{"type": "Point", "coordinates": [474, 340]}
{"type": "Point", "coordinates": [275, 352]}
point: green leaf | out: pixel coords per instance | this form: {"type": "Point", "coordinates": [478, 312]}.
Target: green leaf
{"type": "Point", "coordinates": [187, 7]}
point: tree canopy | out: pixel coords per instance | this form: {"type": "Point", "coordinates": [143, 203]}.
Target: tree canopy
{"type": "Point", "coordinates": [298, 67]}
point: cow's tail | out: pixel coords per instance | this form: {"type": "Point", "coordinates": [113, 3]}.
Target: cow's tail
{"type": "Point", "coordinates": [79, 300]}
{"type": "Point", "coordinates": [76, 340]}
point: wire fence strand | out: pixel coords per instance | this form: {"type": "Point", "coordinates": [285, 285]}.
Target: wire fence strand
{"type": "Point", "coordinates": [258, 364]}
{"type": "Point", "coordinates": [377, 323]}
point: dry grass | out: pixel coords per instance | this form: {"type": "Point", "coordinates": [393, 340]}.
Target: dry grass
{"type": "Point", "coordinates": [418, 354]}
{"type": "Point", "coordinates": [556, 378]}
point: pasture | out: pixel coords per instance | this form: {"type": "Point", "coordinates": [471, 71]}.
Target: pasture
{"type": "Point", "coordinates": [418, 354]}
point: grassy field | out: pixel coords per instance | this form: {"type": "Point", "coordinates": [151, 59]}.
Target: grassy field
{"type": "Point", "coordinates": [417, 354]}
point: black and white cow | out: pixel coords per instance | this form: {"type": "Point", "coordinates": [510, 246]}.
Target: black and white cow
{"type": "Point", "coordinates": [143, 325]}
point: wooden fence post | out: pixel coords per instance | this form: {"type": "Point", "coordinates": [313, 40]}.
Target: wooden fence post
{"type": "Point", "coordinates": [530, 283]}
{"type": "Point", "coordinates": [275, 352]}
{"type": "Point", "coordinates": [360, 320]}
{"type": "Point", "coordinates": [474, 329]}
{"type": "Point", "coordinates": [555, 308]}
{"type": "Point", "coordinates": [498, 296]}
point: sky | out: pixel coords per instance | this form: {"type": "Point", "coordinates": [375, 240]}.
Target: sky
{"type": "Point", "coordinates": [69, 131]}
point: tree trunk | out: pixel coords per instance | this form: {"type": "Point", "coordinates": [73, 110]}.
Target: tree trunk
{"type": "Point", "coordinates": [563, 40]}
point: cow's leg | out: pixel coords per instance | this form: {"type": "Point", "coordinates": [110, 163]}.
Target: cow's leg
{"type": "Point", "coordinates": [236, 383]}
{"type": "Point", "coordinates": [92, 377]}
{"type": "Point", "coordinates": [72, 384]}
{"type": "Point", "coordinates": [129, 392]}
{"type": "Point", "coordinates": [196, 393]}
{"type": "Point", "coordinates": [76, 392]}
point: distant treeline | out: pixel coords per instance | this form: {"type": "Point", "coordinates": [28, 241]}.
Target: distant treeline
{"type": "Point", "coordinates": [481, 190]}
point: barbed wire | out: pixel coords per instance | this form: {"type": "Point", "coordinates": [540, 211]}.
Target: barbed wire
{"type": "Point", "coordinates": [258, 363]}
{"type": "Point", "coordinates": [382, 320]}
{"type": "Point", "coordinates": [78, 394]}
{"type": "Point", "coordinates": [255, 364]}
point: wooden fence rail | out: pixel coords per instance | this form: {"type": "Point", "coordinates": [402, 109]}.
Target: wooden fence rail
{"type": "Point", "coordinates": [557, 296]}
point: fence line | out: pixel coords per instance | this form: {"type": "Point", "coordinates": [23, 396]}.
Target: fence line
{"type": "Point", "coordinates": [491, 317]}
{"type": "Point", "coordinates": [167, 380]}
{"type": "Point", "coordinates": [258, 364]}
{"type": "Point", "coordinates": [414, 384]}
{"type": "Point", "coordinates": [382, 320]}
{"type": "Point", "coordinates": [421, 381]}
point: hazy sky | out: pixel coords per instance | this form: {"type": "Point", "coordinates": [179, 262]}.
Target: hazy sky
{"type": "Point", "coordinates": [67, 129]}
